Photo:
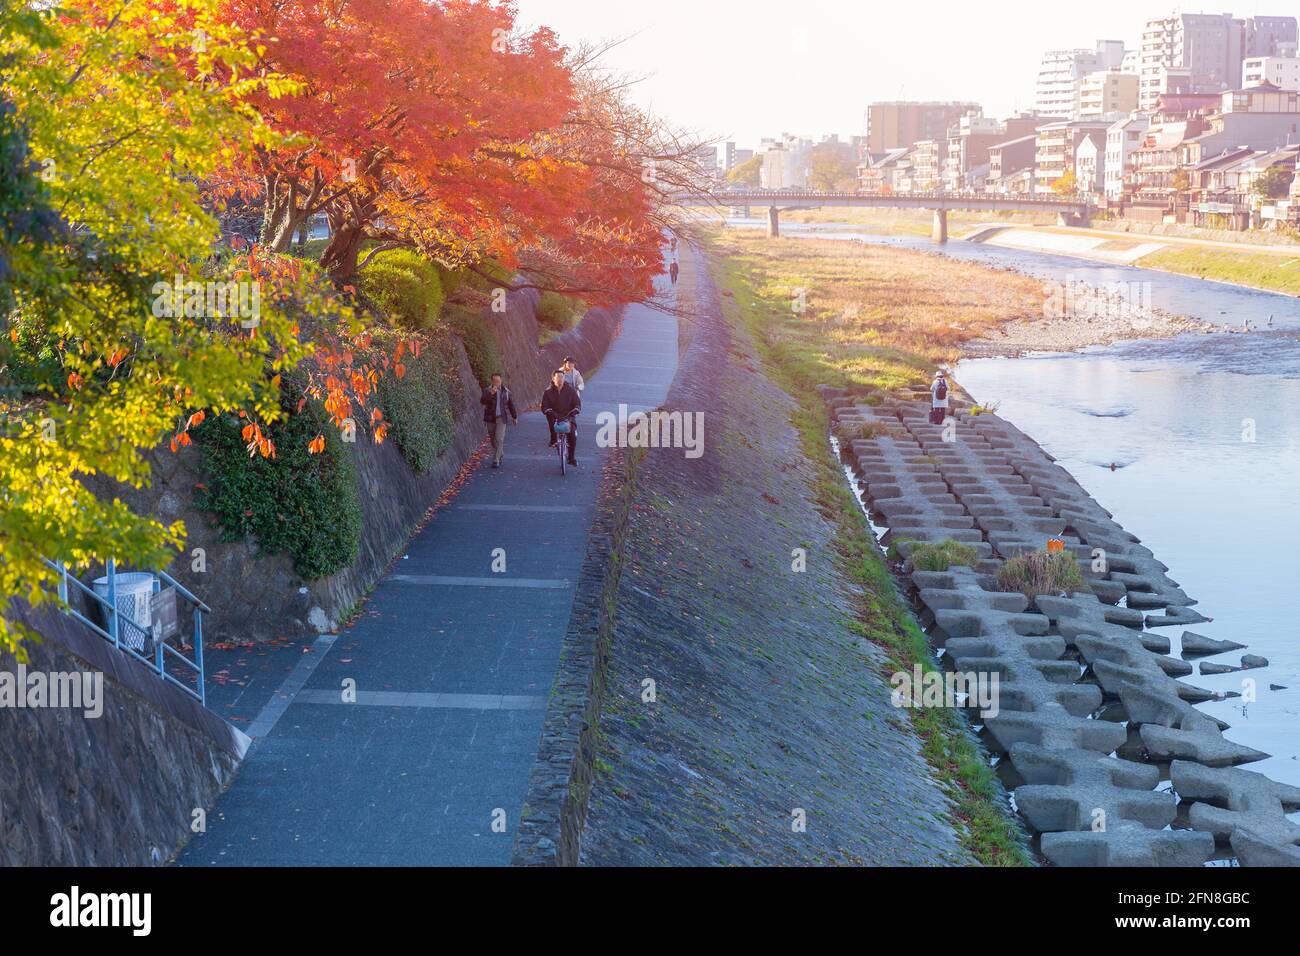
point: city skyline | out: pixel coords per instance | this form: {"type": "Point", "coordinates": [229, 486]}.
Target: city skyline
{"type": "Point", "coordinates": [727, 94]}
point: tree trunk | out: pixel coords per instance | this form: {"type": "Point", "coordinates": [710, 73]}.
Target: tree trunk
{"type": "Point", "coordinates": [339, 260]}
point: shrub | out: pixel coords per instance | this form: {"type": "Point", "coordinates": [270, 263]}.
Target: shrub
{"type": "Point", "coordinates": [299, 503]}
{"type": "Point", "coordinates": [558, 313]}
{"type": "Point", "coordinates": [860, 430]}
{"type": "Point", "coordinates": [941, 555]}
{"type": "Point", "coordinates": [480, 343]}
{"type": "Point", "coordinates": [404, 288]}
{"type": "Point", "coordinates": [420, 407]}
{"type": "Point", "coordinates": [1041, 572]}
{"type": "Point", "coordinates": [495, 276]}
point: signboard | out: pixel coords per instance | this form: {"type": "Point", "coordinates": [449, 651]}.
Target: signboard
{"type": "Point", "coordinates": [163, 610]}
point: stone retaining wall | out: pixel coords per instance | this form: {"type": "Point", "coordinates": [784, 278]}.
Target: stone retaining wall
{"type": "Point", "coordinates": [118, 789]}
{"type": "Point", "coordinates": [1093, 717]}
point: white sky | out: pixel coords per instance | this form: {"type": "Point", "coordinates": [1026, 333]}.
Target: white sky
{"type": "Point", "coordinates": [744, 69]}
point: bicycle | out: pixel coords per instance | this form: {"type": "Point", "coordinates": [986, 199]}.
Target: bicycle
{"type": "Point", "coordinates": [563, 429]}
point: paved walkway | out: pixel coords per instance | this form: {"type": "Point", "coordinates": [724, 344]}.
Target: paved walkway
{"type": "Point", "coordinates": [452, 666]}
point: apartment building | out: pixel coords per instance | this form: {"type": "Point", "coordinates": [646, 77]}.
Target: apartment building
{"type": "Point", "coordinates": [1122, 137]}
{"type": "Point", "coordinates": [1008, 161]}
{"type": "Point", "coordinates": [1211, 47]}
{"type": "Point", "coordinates": [1208, 46]}
{"type": "Point", "coordinates": [1281, 71]}
{"type": "Point", "coordinates": [733, 157]}
{"type": "Point", "coordinates": [895, 124]}
{"type": "Point", "coordinates": [1107, 95]}
{"type": "Point", "coordinates": [968, 150]}
{"type": "Point", "coordinates": [927, 159]}
{"type": "Point", "coordinates": [785, 162]}
{"type": "Point", "coordinates": [1061, 72]}
{"type": "Point", "coordinates": [1055, 151]}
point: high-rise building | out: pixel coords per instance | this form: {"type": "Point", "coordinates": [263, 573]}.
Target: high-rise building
{"type": "Point", "coordinates": [1211, 47]}
{"type": "Point", "coordinates": [1270, 36]}
{"type": "Point", "coordinates": [895, 124]}
{"type": "Point", "coordinates": [1061, 72]}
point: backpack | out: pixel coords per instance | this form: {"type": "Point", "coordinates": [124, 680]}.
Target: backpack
{"type": "Point", "coordinates": [941, 390]}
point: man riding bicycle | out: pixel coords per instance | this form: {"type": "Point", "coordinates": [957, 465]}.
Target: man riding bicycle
{"type": "Point", "coordinates": [561, 402]}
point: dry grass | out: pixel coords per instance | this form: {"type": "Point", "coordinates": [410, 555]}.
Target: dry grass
{"type": "Point", "coordinates": [910, 222]}
{"type": "Point", "coordinates": [871, 315]}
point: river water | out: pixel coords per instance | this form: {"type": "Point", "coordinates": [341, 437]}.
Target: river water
{"type": "Point", "coordinates": [1204, 437]}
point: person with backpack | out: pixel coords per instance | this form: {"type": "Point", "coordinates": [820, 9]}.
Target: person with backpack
{"type": "Point", "coordinates": [938, 399]}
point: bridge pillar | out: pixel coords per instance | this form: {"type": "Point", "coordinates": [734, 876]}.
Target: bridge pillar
{"type": "Point", "coordinates": [773, 222]}
{"type": "Point", "coordinates": [940, 231]}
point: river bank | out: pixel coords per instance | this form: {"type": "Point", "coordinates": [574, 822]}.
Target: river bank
{"type": "Point", "coordinates": [765, 734]}
{"type": "Point", "coordinates": [1165, 431]}
{"type": "Point", "coordinates": [892, 315]}
{"type": "Point", "coordinates": [1250, 260]}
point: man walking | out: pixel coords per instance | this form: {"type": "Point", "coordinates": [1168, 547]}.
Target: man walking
{"type": "Point", "coordinates": [559, 402]}
{"type": "Point", "coordinates": [498, 405]}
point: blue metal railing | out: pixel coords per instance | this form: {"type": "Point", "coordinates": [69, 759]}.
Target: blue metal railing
{"type": "Point", "coordinates": [163, 652]}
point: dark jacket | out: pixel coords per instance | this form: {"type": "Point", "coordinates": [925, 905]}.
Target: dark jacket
{"type": "Point", "coordinates": [489, 402]}
{"type": "Point", "coordinates": [561, 402]}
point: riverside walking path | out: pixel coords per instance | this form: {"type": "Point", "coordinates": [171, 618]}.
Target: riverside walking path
{"type": "Point", "coordinates": [452, 665]}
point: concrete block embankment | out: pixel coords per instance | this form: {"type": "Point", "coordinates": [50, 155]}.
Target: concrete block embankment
{"type": "Point", "coordinates": [1093, 714]}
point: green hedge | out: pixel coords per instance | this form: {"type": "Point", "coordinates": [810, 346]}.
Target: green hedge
{"type": "Point", "coordinates": [559, 313]}
{"type": "Point", "coordinates": [404, 288]}
{"type": "Point", "coordinates": [480, 342]}
{"type": "Point", "coordinates": [420, 407]}
{"type": "Point", "coordinates": [299, 503]}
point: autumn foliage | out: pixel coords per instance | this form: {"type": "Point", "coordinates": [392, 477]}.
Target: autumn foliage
{"type": "Point", "coordinates": [441, 127]}
{"type": "Point", "coordinates": [135, 126]}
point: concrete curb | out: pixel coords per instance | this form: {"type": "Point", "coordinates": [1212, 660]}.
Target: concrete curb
{"type": "Point", "coordinates": [555, 806]}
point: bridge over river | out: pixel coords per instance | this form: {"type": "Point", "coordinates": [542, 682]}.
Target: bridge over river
{"type": "Point", "coordinates": [1069, 210]}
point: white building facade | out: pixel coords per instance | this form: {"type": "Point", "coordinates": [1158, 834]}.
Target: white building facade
{"type": "Point", "coordinates": [1281, 71]}
{"type": "Point", "coordinates": [1122, 138]}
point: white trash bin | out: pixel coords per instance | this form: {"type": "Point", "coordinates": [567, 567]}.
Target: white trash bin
{"type": "Point", "coordinates": [134, 614]}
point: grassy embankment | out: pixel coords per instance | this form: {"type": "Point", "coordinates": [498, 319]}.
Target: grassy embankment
{"type": "Point", "coordinates": [1261, 270]}
{"type": "Point", "coordinates": [883, 318]}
